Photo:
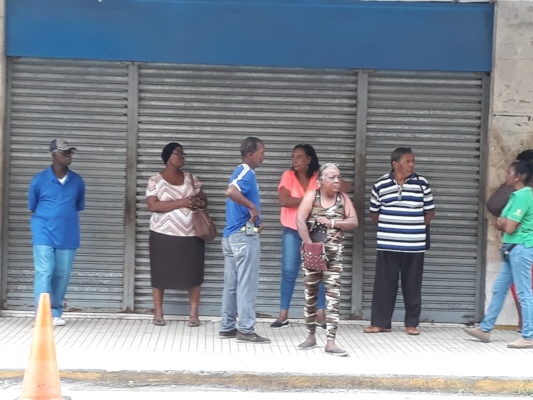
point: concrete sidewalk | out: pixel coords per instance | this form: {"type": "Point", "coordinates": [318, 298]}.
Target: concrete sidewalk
{"type": "Point", "coordinates": [127, 350]}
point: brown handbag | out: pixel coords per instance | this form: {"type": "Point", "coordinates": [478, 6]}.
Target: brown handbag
{"type": "Point", "coordinates": [499, 199]}
{"type": "Point", "coordinates": [204, 227]}
{"type": "Point", "coordinates": [314, 257]}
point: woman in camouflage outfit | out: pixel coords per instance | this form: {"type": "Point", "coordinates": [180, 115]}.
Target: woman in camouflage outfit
{"type": "Point", "coordinates": [333, 211]}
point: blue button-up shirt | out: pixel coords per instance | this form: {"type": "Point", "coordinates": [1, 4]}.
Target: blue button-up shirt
{"type": "Point", "coordinates": [55, 208]}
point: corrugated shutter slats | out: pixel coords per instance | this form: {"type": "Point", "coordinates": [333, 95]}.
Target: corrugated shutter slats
{"type": "Point", "coordinates": [209, 110]}
{"type": "Point", "coordinates": [439, 116]}
{"type": "Point", "coordinates": [84, 102]}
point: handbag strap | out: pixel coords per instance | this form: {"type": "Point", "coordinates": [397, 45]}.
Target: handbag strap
{"type": "Point", "coordinates": [317, 197]}
{"type": "Point", "coordinates": [419, 184]}
{"type": "Point", "coordinates": [334, 237]}
{"type": "Point", "coordinates": [422, 189]}
{"type": "Point", "coordinates": [189, 175]}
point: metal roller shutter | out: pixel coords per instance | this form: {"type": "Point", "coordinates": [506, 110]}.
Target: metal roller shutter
{"type": "Point", "coordinates": [439, 116]}
{"type": "Point", "coordinates": [209, 110]}
{"type": "Point", "coordinates": [84, 102]}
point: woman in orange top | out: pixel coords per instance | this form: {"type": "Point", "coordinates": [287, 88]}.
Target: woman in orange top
{"type": "Point", "coordinates": [291, 189]}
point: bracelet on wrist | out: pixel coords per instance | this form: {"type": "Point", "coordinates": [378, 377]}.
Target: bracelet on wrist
{"type": "Point", "coordinates": [332, 224]}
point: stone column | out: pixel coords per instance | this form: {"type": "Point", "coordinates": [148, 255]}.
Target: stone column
{"type": "Point", "coordinates": [511, 116]}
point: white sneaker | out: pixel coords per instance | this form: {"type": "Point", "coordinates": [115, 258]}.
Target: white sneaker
{"type": "Point", "coordinates": [58, 321]}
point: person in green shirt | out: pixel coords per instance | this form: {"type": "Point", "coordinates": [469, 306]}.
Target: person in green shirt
{"type": "Point", "coordinates": [495, 206]}
{"type": "Point", "coordinates": [516, 222]}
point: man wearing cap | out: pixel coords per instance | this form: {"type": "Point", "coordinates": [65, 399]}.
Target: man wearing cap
{"type": "Point", "coordinates": [55, 198]}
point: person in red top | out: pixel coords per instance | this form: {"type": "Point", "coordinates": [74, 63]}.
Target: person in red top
{"type": "Point", "coordinates": [495, 205]}
{"type": "Point", "coordinates": [294, 183]}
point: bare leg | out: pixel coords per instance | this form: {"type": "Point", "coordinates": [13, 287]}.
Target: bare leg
{"type": "Point", "coordinates": [321, 316]}
{"type": "Point", "coordinates": [158, 302]}
{"type": "Point", "coordinates": [283, 315]}
{"type": "Point", "coordinates": [194, 300]}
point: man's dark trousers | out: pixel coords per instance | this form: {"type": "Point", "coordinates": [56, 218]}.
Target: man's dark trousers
{"type": "Point", "coordinates": [390, 265]}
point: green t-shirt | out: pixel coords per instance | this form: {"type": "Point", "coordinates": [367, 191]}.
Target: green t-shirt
{"type": "Point", "coordinates": [519, 208]}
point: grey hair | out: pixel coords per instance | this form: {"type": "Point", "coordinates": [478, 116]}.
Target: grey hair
{"type": "Point", "coordinates": [250, 145]}
{"type": "Point", "coordinates": [324, 167]}
{"type": "Point", "coordinates": [398, 153]}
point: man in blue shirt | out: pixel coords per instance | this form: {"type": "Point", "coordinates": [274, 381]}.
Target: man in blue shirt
{"type": "Point", "coordinates": [241, 247]}
{"type": "Point", "coordinates": [55, 197]}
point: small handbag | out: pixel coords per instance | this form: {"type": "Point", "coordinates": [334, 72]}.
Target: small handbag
{"type": "Point", "coordinates": [319, 233]}
{"type": "Point", "coordinates": [203, 225]}
{"type": "Point", "coordinates": [314, 254]}
{"type": "Point", "coordinates": [314, 257]}
{"type": "Point", "coordinates": [499, 199]}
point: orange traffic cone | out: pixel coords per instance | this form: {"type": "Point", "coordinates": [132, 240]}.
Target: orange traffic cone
{"type": "Point", "coordinates": [41, 379]}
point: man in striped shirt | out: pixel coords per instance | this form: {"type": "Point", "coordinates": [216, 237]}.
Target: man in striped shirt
{"type": "Point", "coordinates": [402, 206]}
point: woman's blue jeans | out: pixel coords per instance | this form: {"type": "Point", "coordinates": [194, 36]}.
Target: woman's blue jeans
{"type": "Point", "coordinates": [516, 269]}
{"type": "Point", "coordinates": [291, 262]}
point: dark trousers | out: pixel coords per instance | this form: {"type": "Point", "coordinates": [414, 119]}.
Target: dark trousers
{"type": "Point", "coordinates": [390, 265]}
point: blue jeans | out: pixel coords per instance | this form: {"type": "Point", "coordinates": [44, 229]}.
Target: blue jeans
{"type": "Point", "coordinates": [52, 274]}
{"type": "Point", "coordinates": [291, 261]}
{"type": "Point", "coordinates": [241, 280]}
{"type": "Point", "coordinates": [518, 270]}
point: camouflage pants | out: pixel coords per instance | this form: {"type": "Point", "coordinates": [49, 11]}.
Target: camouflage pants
{"type": "Point", "coordinates": [332, 283]}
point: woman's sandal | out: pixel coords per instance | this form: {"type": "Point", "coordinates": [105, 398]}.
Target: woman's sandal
{"type": "Point", "coordinates": [193, 322]}
{"type": "Point", "coordinates": [158, 321]}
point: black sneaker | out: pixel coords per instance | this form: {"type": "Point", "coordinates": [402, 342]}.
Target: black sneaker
{"type": "Point", "coordinates": [278, 324]}
{"type": "Point", "coordinates": [251, 338]}
{"type": "Point", "coordinates": [228, 334]}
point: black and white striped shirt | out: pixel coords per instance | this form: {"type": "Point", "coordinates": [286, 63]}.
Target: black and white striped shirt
{"type": "Point", "coordinates": [401, 211]}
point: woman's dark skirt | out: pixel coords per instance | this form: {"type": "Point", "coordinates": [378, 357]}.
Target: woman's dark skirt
{"type": "Point", "coordinates": [176, 262]}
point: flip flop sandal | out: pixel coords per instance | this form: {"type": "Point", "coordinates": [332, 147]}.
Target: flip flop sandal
{"type": "Point", "coordinates": [193, 322]}
{"type": "Point", "coordinates": [158, 321]}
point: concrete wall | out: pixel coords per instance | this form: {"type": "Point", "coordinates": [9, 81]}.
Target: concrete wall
{"type": "Point", "coordinates": [511, 118]}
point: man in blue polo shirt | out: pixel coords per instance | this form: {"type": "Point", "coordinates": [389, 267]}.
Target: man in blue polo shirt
{"type": "Point", "coordinates": [241, 247]}
{"type": "Point", "coordinates": [55, 198]}
{"type": "Point", "coordinates": [402, 206]}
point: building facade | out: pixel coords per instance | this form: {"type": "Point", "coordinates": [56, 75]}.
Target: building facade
{"type": "Point", "coordinates": [122, 78]}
